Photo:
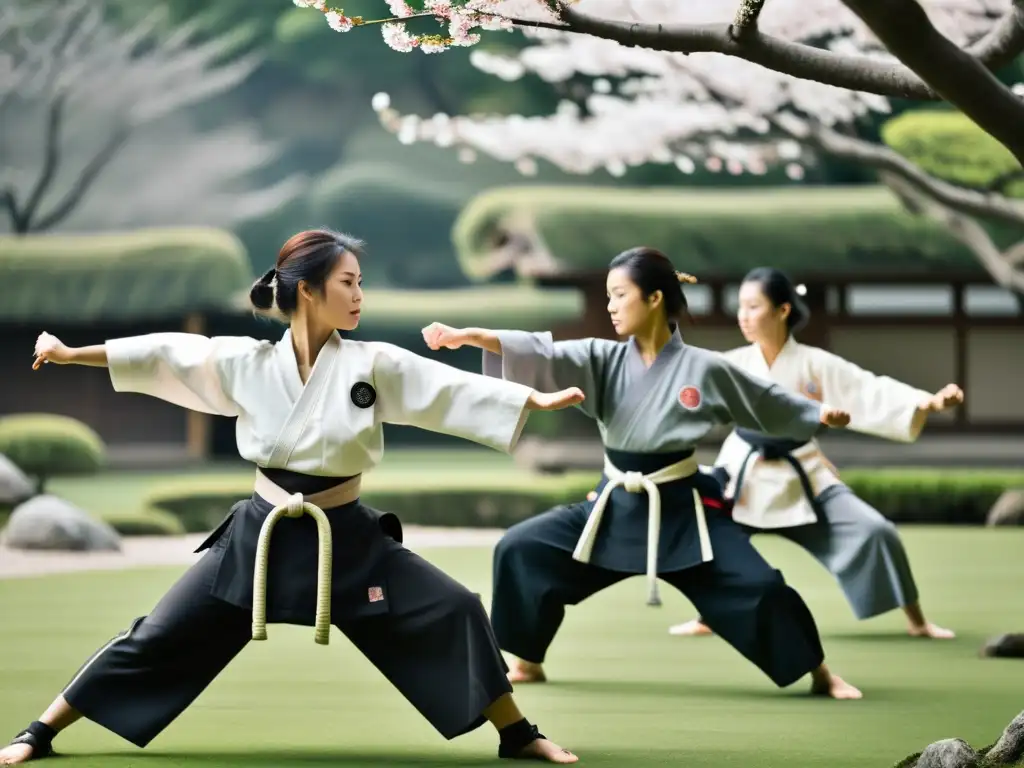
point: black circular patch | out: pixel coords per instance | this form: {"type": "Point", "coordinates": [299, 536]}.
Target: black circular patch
{"type": "Point", "coordinates": [363, 394]}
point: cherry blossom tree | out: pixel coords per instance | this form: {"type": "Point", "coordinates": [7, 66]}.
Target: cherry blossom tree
{"type": "Point", "coordinates": [75, 89]}
{"type": "Point", "coordinates": [781, 82]}
{"type": "Point", "coordinates": [894, 47]}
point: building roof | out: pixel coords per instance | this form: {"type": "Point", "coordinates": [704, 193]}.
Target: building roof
{"type": "Point", "coordinates": [141, 274]}
{"type": "Point", "coordinates": [852, 232]}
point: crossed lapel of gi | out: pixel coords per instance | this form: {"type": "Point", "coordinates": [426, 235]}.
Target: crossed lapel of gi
{"type": "Point", "coordinates": [642, 382]}
{"type": "Point", "coordinates": [304, 397]}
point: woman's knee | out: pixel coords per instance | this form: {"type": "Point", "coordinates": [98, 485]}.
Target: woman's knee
{"type": "Point", "coordinates": [879, 531]}
{"type": "Point", "coordinates": [518, 546]}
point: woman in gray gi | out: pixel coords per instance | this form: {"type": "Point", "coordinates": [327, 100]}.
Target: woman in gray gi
{"type": "Point", "coordinates": [309, 413]}
{"type": "Point", "coordinates": [654, 397]}
{"type": "Point", "coordinates": [790, 488]}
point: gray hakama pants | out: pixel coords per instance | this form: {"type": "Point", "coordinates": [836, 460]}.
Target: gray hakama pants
{"type": "Point", "coordinates": [861, 548]}
{"type": "Point", "coordinates": [745, 600]}
{"type": "Point", "coordinates": [429, 636]}
{"type": "Point", "coordinates": [854, 541]}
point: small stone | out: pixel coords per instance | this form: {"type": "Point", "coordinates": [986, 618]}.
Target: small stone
{"type": "Point", "coordinates": [1007, 646]}
{"type": "Point", "coordinates": [948, 753]}
{"type": "Point", "coordinates": [51, 523]}
{"type": "Point", "coordinates": [1010, 747]}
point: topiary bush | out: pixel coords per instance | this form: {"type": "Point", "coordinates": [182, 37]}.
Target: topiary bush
{"type": "Point", "coordinates": [45, 445]}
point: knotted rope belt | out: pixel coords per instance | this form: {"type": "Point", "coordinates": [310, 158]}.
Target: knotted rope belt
{"type": "Point", "coordinates": [637, 482]}
{"type": "Point", "coordinates": [296, 505]}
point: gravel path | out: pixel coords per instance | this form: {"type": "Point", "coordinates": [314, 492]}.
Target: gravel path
{"type": "Point", "coordinates": [147, 551]}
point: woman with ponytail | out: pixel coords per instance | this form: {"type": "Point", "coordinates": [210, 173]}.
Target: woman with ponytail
{"type": "Point", "coordinates": [790, 488]}
{"type": "Point", "coordinates": [655, 513]}
{"type": "Point", "coordinates": [310, 412]}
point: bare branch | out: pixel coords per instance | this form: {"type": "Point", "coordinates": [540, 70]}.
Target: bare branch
{"type": "Point", "coordinates": [986, 205]}
{"type": "Point", "coordinates": [10, 202]}
{"type": "Point", "coordinates": [907, 32]}
{"type": "Point", "coordinates": [858, 73]}
{"type": "Point", "coordinates": [85, 180]}
{"type": "Point", "coordinates": [1003, 180]}
{"type": "Point", "coordinates": [51, 159]}
{"type": "Point", "coordinates": [966, 230]}
{"type": "Point", "coordinates": [746, 18]}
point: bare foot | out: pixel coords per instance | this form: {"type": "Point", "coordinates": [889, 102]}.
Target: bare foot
{"type": "Point", "coordinates": [13, 754]}
{"type": "Point", "coordinates": [526, 672]}
{"type": "Point", "coordinates": [548, 751]}
{"type": "Point", "coordinates": [692, 628]}
{"type": "Point", "coordinates": [835, 687]}
{"type": "Point", "coordinates": [931, 630]}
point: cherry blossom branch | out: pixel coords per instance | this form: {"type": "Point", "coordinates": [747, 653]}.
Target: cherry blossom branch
{"type": "Point", "coordinates": [859, 73]}
{"type": "Point", "coordinates": [905, 30]}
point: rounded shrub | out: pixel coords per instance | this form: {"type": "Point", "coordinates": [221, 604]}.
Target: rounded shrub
{"type": "Point", "coordinates": [45, 445]}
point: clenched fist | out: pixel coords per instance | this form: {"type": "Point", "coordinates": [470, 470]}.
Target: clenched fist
{"type": "Point", "coordinates": [49, 349]}
{"type": "Point", "coordinates": [438, 335]}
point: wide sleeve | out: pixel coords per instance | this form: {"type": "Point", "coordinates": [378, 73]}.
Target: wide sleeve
{"type": "Point", "coordinates": [182, 368]}
{"type": "Point", "coordinates": [536, 360]}
{"type": "Point", "coordinates": [878, 405]}
{"type": "Point", "coordinates": [757, 404]}
{"type": "Point", "coordinates": [415, 391]}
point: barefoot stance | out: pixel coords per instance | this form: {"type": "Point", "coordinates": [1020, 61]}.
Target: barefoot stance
{"type": "Point", "coordinates": [692, 628]}
{"type": "Point", "coordinates": [13, 754]}
{"type": "Point", "coordinates": [542, 749]}
{"type": "Point", "coordinates": [525, 672]}
{"type": "Point", "coordinates": [836, 688]}
{"type": "Point", "coordinates": [932, 631]}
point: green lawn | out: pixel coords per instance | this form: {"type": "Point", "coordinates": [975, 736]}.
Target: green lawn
{"type": "Point", "coordinates": [623, 694]}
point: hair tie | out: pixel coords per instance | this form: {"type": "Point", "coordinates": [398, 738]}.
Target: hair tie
{"type": "Point", "coordinates": [683, 277]}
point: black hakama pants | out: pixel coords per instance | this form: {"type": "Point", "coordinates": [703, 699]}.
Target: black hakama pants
{"type": "Point", "coordinates": [431, 637]}
{"type": "Point", "coordinates": [741, 597]}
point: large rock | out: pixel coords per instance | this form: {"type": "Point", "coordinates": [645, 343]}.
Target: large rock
{"type": "Point", "coordinates": [1010, 747]}
{"type": "Point", "coordinates": [48, 522]}
{"type": "Point", "coordinates": [948, 753]}
{"type": "Point", "coordinates": [1008, 509]}
{"type": "Point", "coordinates": [15, 486]}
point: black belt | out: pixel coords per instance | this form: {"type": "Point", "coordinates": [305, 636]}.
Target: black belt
{"type": "Point", "coordinates": [775, 449]}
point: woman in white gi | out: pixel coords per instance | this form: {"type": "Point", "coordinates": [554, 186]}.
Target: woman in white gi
{"type": "Point", "coordinates": [654, 397]}
{"type": "Point", "coordinates": [791, 489]}
{"type": "Point", "coordinates": [309, 412]}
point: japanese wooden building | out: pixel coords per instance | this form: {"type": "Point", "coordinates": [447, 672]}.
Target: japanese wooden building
{"type": "Point", "coordinates": [88, 288]}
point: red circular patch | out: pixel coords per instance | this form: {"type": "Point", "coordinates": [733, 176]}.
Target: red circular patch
{"type": "Point", "coordinates": [689, 397]}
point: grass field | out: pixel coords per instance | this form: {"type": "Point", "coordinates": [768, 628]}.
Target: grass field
{"type": "Point", "coordinates": [623, 693]}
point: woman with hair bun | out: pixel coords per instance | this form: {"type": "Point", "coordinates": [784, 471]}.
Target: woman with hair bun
{"type": "Point", "coordinates": [790, 488]}
{"type": "Point", "coordinates": [310, 411]}
{"type": "Point", "coordinates": [655, 513]}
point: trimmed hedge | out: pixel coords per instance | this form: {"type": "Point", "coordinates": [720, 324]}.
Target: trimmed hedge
{"type": "Point", "coordinates": [153, 273]}
{"type": "Point", "coordinates": [713, 233]}
{"type": "Point", "coordinates": [934, 496]}
{"type": "Point", "coordinates": [951, 146]}
{"type": "Point", "coordinates": [44, 445]}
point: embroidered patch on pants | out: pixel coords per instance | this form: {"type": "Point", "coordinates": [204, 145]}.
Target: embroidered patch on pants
{"type": "Point", "coordinates": [376, 594]}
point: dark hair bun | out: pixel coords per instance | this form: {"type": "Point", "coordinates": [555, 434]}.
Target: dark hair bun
{"type": "Point", "coordinates": [261, 295]}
